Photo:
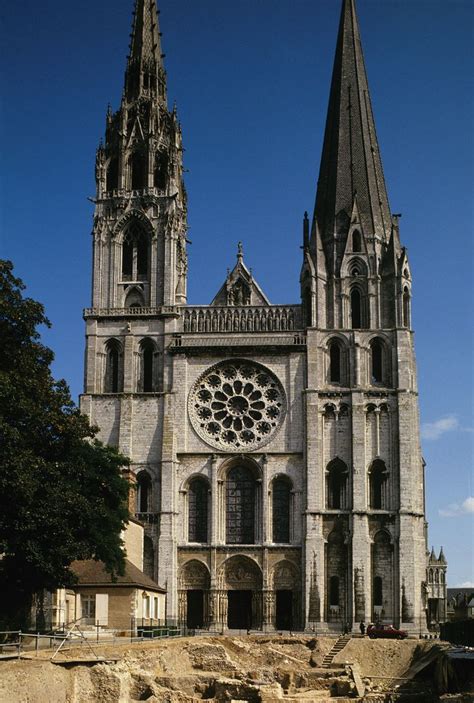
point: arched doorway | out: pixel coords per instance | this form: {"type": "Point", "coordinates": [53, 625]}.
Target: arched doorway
{"type": "Point", "coordinates": [243, 583]}
{"type": "Point", "coordinates": [194, 594]}
{"type": "Point", "coordinates": [285, 587]}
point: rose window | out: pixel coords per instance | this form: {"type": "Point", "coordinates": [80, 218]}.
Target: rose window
{"type": "Point", "coordinates": [237, 404]}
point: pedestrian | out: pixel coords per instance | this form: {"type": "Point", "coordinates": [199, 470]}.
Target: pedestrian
{"type": "Point", "coordinates": [362, 628]}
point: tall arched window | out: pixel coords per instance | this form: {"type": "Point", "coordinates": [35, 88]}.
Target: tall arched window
{"type": "Point", "coordinates": [376, 361]}
{"type": "Point", "coordinates": [146, 383]}
{"type": "Point", "coordinates": [143, 492]}
{"type": "Point", "coordinates": [356, 241]}
{"type": "Point", "coordinates": [113, 367]}
{"type": "Point", "coordinates": [135, 250]}
{"type": "Point", "coordinates": [112, 174]}
{"type": "Point", "coordinates": [198, 494]}
{"type": "Point", "coordinates": [335, 359]}
{"type": "Point", "coordinates": [406, 307]}
{"type": "Point", "coordinates": [307, 307]}
{"type": "Point", "coordinates": [336, 485]}
{"type": "Point", "coordinates": [334, 591]}
{"type": "Point", "coordinates": [148, 557]}
{"type": "Point", "coordinates": [161, 170]}
{"type": "Point", "coordinates": [378, 591]}
{"type": "Point", "coordinates": [378, 477]}
{"type": "Point", "coordinates": [281, 493]}
{"type": "Point", "coordinates": [240, 506]}
{"type": "Point", "coordinates": [138, 174]}
{"type": "Point", "coordinates": [356, 309]}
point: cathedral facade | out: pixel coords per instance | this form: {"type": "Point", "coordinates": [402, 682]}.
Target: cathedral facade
{"type": "Point", "coordinates": [275, 448]}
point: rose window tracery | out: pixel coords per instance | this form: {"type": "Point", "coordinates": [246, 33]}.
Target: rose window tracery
{"type": "Point", "coordinates": [237, 404]}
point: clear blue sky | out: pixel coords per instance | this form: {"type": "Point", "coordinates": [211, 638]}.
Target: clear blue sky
{"type": "Point", "coordinates": [251, 81]}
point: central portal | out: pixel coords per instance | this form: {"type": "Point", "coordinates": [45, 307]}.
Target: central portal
{"type": "Point", "coordinates": [239, 614]}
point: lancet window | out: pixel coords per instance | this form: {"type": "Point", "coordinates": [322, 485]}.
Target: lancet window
{"type": "Point", "coordinates": [336, 485]}
{"type": "Point", "coordinates": [335, 362]}
{"type": "Point", "coordinates": [146, 381]}
{"type": "Point", "coordinates": [198, 497]}
{"type": "Point", "coordinates": [281, 505]}
{"type": "Point", "coordinates": [240, 506]}
{"type": "Point", "coordinates": [378, 483]}
{"type": "Point", "coordinates": [135, 254]}
{"type": "Point", "coordinates": [143, 492]}
{"type": "Point", "coordinates": [113, 381]}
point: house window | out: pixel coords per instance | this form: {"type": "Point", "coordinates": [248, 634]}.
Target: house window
{"type": "Point", "coordinates": [198, 495]}
{"type": "Point", "coordinates": [281, 494]}
{"type": "Point", "coordinates": [88, 609]}
{"type": "Point", "coordinates": [240, 506]}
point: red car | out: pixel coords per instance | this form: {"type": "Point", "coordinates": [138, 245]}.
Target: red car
{"type": "Point", "coordinates": [386, 631]}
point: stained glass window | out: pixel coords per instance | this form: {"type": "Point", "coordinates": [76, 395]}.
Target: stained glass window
{"type": "Point", "coordinates": [281, 510]}
{"type": "Point", "coordinates": [197, 509]}
{"type": "Point", "coordinates": [240, 495]}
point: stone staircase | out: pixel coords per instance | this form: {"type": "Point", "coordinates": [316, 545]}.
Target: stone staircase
{"type": "Point", "coordinates": [337, 647]}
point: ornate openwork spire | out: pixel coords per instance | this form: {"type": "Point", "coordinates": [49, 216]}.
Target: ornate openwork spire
{"type": "Point", "coordinates": [145, 73]}
{"type": "Point", "coordinates": [350, 164]}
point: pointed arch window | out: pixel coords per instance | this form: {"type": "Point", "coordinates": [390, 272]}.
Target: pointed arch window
{"type": "Point", "coordinates": [146, 382]}
{"type": "Point", "coordinates": [378, 591]}
{"type": "Point", "coordinates": [161, 170]}
{"type": "Point", "coordinates": [148, 557]}
{"type": "Point", "coordinates": [135, 255]}
{"type": "Point", "coordinates": [198, 496]}
{"type": "Point", "coordinates": [113, 381]}
{"type": "Point", "coordinates": [377, 361]}
{"type": "Point", "coordinates": [356, 309]}
{"type": "Point", "coordinates": [334, 591]}
{"type": "Point", "coordinates": [143, 492]}
{"type": "Point", "coordinates": [406, 307]}
{"type": "Point", "coordinates": [335, 362]}
{"type": "Point", "coordinates": [240, 506]}
{"type": "Point", "coordinates": [281, 505]}
{"type": "Point", "coordinates": [356, 241]}
{"type": "Point", "coordinates": [336, 485]}
{"type": "Point", "coordinates": [112, 174]}
{"type": "Point", "coordinates": [307, 307]}
{"type": "Point", "coordinates": [378, 481]}
{"type": "Point", "coordinates": [138, 170]}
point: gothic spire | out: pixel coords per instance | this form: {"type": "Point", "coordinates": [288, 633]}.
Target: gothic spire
{"type": "Point", "coordinates": [145, 73]}
{"type": "Point", "coordinates": [350, 163]}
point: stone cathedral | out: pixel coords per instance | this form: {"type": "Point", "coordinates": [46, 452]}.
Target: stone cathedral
{"type": "Point", "coordinates": [274, 449]}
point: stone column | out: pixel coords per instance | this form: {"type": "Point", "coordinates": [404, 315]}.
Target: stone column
{"type": "Point", "coordinates": [214, 501]}
{"type": "Point", "coordinates": [265, 491]}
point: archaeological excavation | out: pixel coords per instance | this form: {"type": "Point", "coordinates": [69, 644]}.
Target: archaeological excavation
{"type": "Point", "coordinates": [255, 669]}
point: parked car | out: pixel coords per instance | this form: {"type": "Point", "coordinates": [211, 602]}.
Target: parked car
{"type": "Point", "coordinates": [386, 631]}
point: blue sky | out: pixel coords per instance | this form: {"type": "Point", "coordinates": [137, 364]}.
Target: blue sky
{"type": "Point", "coordinates": [251, 81]}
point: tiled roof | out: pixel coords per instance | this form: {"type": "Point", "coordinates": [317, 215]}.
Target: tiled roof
{"type": "Point", "coordinates": [94, 573]}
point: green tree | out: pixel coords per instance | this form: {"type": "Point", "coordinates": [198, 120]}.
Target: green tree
{"type": "Point", "coordinates": [62, 495]}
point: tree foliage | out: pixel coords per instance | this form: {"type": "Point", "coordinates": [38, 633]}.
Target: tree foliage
{"type": "Point", "coordinates": [62, 496]}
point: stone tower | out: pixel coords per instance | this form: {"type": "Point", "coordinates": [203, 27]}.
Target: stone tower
{"type": "Point", "coordinates": [275, 448]}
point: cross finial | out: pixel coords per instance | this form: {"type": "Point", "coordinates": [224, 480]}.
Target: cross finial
{"type": "Point", "coordinates": [240, 251]}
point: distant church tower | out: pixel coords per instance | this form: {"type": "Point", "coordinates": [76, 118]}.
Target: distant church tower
{"type": "Point", "coordinates": [275, 448]}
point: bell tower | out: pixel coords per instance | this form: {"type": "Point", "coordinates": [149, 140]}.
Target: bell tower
{"type": "Point", "coordinates": [365, 544]}
{"type": "Point", "coordinates": [140, 208]}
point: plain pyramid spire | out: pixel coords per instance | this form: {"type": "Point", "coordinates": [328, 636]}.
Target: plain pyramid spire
{"type": "Point", "coordinates": [145, 71]}
{"type": "Point", "coordinates": [350, 164]}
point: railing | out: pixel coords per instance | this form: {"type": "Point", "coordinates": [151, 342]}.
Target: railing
{"type": "Point", "coordinates": [190, 342]}
{"type": "Point", "coordinates": [265, 318]}
{"type": "Point", "coordinates": [136, 192]}
{"type": "Point", "coordinates": [163, 310]}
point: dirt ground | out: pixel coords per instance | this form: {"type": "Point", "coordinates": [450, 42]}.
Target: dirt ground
{"type": "Point", "coordinates": [257, 669]}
